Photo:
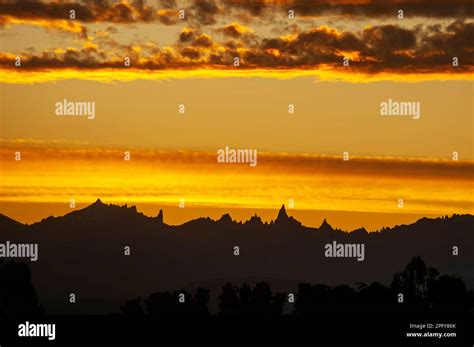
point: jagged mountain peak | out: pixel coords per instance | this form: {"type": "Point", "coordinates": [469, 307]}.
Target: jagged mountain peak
{"type": "Point", "coordinates": [226, 218]}
{"type": "Point", "coordinates": [159, 217]}
{"type": "Point", "coordinates": [9, 223]}
{"type": "Point", "coordinates": [282, 215]}
{"type": "Point", "coordinates": [284, 220]}
{"type": "Point", "coordinates": [325, 226]}
{"type": "Point", "coordinates": [98, 202]}
{"type": "Point", "coordinates": [254, 220]}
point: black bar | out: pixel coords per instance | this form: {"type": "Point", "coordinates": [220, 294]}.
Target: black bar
{"type": "Point", "coordinates": [328, 328]}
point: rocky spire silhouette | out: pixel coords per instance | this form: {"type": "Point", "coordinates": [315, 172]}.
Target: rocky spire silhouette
{"type": "Point", "coordinates": [159, 218]}
{"type": "Point", "coordinates": [226, 219]}
{"type": "Point", "coordinates": [282, 215]}
{"type": "Point", "coordinates": [254, 220]}
{"type": "Point", "coordinates": [284, 219]}
{"type": "Point", "coordinates": [325, 226]}
{"type": "Point", "coordinates": [98, 202]}
{"type": "Point", "coordinates": [96, 206]}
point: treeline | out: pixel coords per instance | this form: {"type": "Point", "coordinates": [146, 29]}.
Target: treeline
{"type": "Point", "coordinates": [18, 296]}
{"type": "Point", "coordinates": [417, 288]}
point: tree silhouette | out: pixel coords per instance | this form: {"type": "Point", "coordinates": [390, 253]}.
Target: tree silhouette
{"type": "Point", "coordinates": [18, 296]}
{"type": "Point", "coordinates": [375, 297]}
{"type": "Point", "coordinates": [311, 298]}
{"type": "Point", "coordinates": [256, 301]}
{"type": "Point", "coordinates": [163, 304]}
{"type": "Point", "coordinates": [448, 293]}
{"type": "Point", "coordinates": [421, 285]}
{"type": "Point", "coordinates": [264, 302]}
{"type": "Point", "coordinates": [229, 301]}
{"type": "Point", "coordinates": [132, 307]}
{"type": "Point", "coordinates": [201, 300]}
{"type": "Point", "coordinates": [413, 281]}
{"type": "Point", "coordinates": [246, 299]}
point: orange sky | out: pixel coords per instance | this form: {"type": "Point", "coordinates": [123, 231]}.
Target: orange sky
{"type": "Point", "coordinates": [154, 179]}
{"type": "Point", "coordinates": [46, 57]}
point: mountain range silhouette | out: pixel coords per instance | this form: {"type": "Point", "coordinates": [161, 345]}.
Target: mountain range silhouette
{"type": "Point", "coordinates": [82, 252]}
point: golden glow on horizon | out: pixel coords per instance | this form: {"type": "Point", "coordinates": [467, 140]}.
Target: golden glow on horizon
{"type": "Point", "coordinates": [10, 76]}
{"type": "Point", "coordinates": [161, 178]}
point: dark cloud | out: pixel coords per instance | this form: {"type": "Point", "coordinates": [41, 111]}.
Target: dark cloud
{"type": "Point", "coordinates": [255, 8]}
{"type": "Point", "coordinates": [168, 16]}
{"type": "Point", "coordinates": [188, 34]}
{"type": "Point", "coordinates": [167, 4]}
{"type": "Point", "coordinates": [233, 30]}
{"type": "Point", "coordinates": [27, 9]}
{"type": "Point", "coordinates": [203, 41]}
{"type": "Point", "coordinates": [191, 53]}
{"type": "Point", "coordinates": [456, 41]}
{"type": "Point", "coordinates": [361, 8]}
{"type": "Point", "coordinates": [204, 12]}
{"type": "Point", "coordinates": [384, 40]}
{"type": "Point", "coordinates": [233, 44]}
{"type": "Point", "coordinates": [207, 12]}
{"type": "Point", "coordinates": [85, 10]}
{"type": "Point", "coordinates": [376, 49]}
{"type": "Point", "coordinates": [324, 38]}
{"type": "Point", "coordinates": [146, 13]}
{"type": "Point", "coordinates": [195, 37]}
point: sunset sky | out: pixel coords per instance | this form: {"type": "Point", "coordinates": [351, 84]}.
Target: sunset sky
{"type": "Point", "coordinates": [282, 61]}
